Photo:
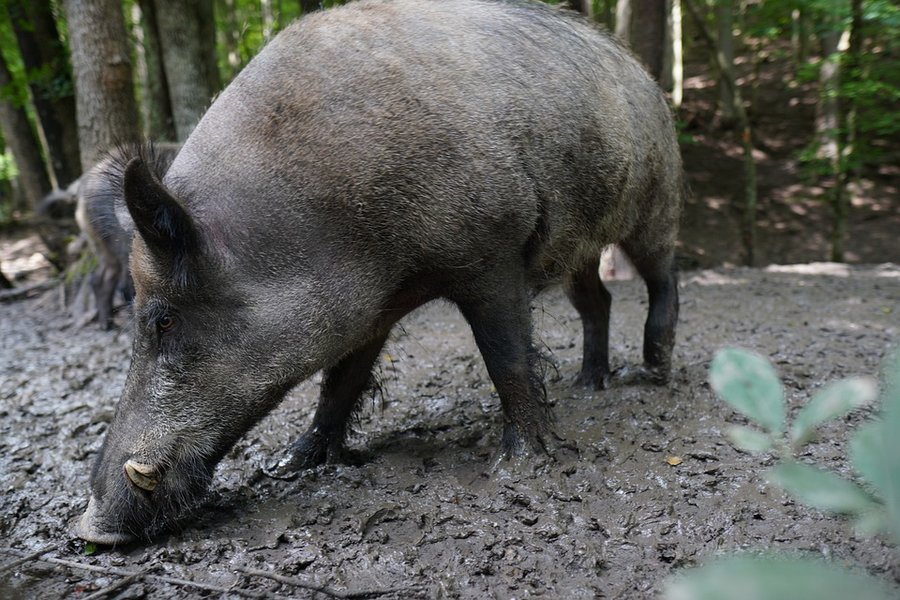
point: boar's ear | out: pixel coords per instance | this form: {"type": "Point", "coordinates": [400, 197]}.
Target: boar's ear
{"type": "Point", "coordinates": [159, 218]}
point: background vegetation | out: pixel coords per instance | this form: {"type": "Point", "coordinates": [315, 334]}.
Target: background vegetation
{"type": "Point", "coordinates": [77, 76]}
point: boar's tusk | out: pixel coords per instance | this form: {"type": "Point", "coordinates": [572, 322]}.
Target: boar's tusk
{"type": "Point", "coordinates": [143, 476]}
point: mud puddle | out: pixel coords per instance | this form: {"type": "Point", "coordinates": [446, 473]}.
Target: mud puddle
{"type": "Point", "coordinates": [417, 514]}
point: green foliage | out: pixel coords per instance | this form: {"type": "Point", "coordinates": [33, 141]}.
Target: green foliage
{"type": "Point", "coordinates": [8, 172]}
{"type": "Point", "coordinates": [834, 401]}
{"type": "Point", "coordinates": [776, 578]}
{"type": "Point", "coordinates": [874, 455]}
{"type": "Point", "coordinates": [822, 489]}
{"type": "Point", "coordinates": [750, 385]}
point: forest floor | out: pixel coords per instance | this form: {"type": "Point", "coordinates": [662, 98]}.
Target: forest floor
{"type": "Point", "coordinates": [419, 516]}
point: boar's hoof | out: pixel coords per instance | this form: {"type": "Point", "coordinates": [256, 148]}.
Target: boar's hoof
{"type": "Point", "coordinates": [632, 375]}
{"type": "Point", "coordinates": [141, 475]}
{"type": "Point", "coordinates": [594, 380]}
{"type": "Point", "coordinates": [519, 449]}
{"type": "Point", "coordinates": [308, 452]}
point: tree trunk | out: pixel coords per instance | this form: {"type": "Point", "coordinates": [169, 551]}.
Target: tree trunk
{"type": "Point", "coordinates": [159, 123]}
{"type": "Point", "coordinates": [642, 25]}
{"type": "Point", "coordinates": [186, 61]}
{"type": "Point", "coordinates": [308, 6]}
{"type": "Point", "coordinates": [51, 92]}
{"type": "Point", "coordinates": [677, 66]}
{"type": "Point", "coordinates": [799, 37]}
{"type": "Point", "coordinates": [107, 112]}
{"type": "Point", "coordinates": [848, 135]}
{"type": "Point", "coordinates": [725, 23]}
{"type": "Point", "coordinates": [748, 233]}
{"type": "Point", "coordinates": [33, 174]}
{"type": "Point", "coordinates": [209, 50]}
{"type": "Point", "coordinates": [24, 144]}
{"type": "Point", "coordinates": [834, 121]}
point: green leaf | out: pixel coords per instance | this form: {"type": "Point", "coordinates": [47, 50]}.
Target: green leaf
{"type": "Point", "coordinates": [890, 485]}
{"type": "Point", "coordinates": [871, 523]}
{"type": "Point", "coordinates": [750, 440]}
{"type": "Point", "coordinates": [834, 401]}
{"type": "Point", "coordinates": [867, 454]}
{"type": "Point", "coordinates": [747, 382]}
{"type": "Point", "coordinates": [822, 489]}
{"type": "Point", "coordinates": [775, 578]}
{"type": "Point", "coordinates": [90, 548]}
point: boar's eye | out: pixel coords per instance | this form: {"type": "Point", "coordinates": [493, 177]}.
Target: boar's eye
{"type": "Point", "coordinates": [165, 323]}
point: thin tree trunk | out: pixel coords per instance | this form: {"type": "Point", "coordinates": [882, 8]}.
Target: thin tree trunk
{"type": "Point", "coordinates": [799, 37]}
{"type": "Point", "coordinates": [748, 233]}
{"type": "Point", "coordinates": [828, 127]}
{"type": "Point", "coordinates": [725, 24]}
{"type": "Point", "coordinates": [642, 25]}
{"type": "Point", "coordinates": [677, 55]}
{"type": "Point", "coordinates": [157, 106]}
{"type": "Point", "coordinates": [268, 19]}
{"type": "Point", "coordinates": [107, 111]}
{"type": "Point", "coordinates": [844, 166]}
{"type": "Point", "coordinates": [54, 101]}
{"type": "Point", "coordinates": [623, 20]}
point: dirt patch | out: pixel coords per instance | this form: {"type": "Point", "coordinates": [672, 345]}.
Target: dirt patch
{"type": "Point", "coordinates": [419, 516]}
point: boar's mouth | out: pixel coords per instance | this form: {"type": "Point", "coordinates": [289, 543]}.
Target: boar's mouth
{"type": "Point", "coordinates": [132, 504]}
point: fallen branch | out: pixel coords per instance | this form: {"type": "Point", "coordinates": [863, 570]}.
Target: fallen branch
{"type": "Point", "coordinates": [21, 561]}
{"type": "Point", "coordinates": [142, 575]}
{"type": "Point", "coordinates": [321, 589]}
{"type": "Point", "coordinates": [125, 581]}
{"type": "Point", "coordinates": [26, 291]}
{"type": "Point", "coordinates": [294, 582]}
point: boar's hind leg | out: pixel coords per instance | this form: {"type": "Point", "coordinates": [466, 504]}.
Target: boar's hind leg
{"type": "Point", "coordinates": [658, 271]}
{"type": "Point", "coordinates": [104, 281]}
{"type": "Point", "coordinates": [592, 301]}
{"type": "Point", "coordinates": [501, 322]}
{"type": "Point", "coordinates": [342, 386]}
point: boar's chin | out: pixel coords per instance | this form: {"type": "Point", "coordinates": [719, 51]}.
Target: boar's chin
{"type": "Point", "coordinates": [119, 512]}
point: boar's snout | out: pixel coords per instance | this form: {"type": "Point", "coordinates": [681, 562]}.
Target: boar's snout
{"type": "Point", "coordinates": [93, 527]}
{"type": "Point", "coordinates": [133, 496]}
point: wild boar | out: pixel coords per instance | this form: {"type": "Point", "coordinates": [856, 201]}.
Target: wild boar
{"type": "Point", "coordinates": [370, 159]}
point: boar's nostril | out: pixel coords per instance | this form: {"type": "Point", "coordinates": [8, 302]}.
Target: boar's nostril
{"type": "Point", "coordinates": [141, 475]}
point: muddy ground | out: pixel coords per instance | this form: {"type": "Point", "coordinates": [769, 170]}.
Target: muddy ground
{"type": "Point", "coordinates": [419, 516]}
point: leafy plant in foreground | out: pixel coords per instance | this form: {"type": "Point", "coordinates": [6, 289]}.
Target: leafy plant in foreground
{"type": "Point", "coordinates": [749, 384]}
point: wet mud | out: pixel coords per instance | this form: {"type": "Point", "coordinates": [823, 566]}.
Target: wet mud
{"type": "Point", "coordinates": [644, 482]}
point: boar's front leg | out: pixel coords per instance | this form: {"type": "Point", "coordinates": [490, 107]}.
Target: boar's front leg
{"type": "Point", "coordinates": [342, 386]}
{"type": "Point", "coordinates": [501, 322]}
